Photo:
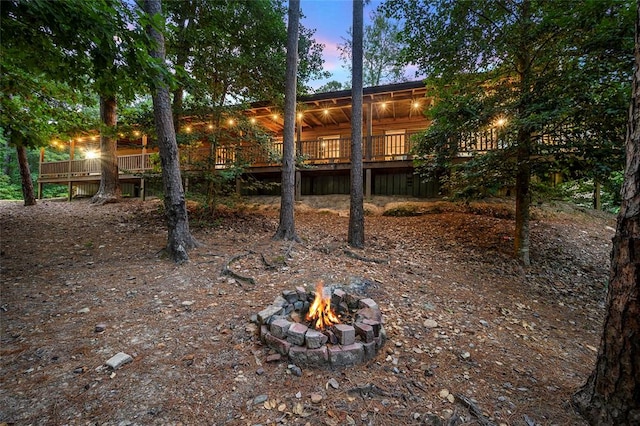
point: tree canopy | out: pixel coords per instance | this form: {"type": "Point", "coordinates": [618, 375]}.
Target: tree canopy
{"type": "Point", "coordinates": [381, 51]}
{"type": "Point", "coordinates": [232, 52]}
{"type": "Point", "coordinates": [529, 77]}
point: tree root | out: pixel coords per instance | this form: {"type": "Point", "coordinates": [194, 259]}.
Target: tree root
{"type": "Point", "coordinates": [269, 266]}
{"type": "Point", "coordinates": [226, 271]}
{"type": "Point", "coordinates": [370, 389]}
{"type": "Point", "coordinates": [474, 410]}
{"type": "Point", "coordinates": [365, 259]}
{"type": "Point", "coordinates": [102, 199]}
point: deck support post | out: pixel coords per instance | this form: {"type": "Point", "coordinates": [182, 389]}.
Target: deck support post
{"type": "Point", "coordinates": [367, 183]}
{"type": "Point", "coordinates": [143, 190]}
{"type": "Point", "coordinates": [298, 186]}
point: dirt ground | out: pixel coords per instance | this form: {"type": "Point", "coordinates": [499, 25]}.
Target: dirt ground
{"type": "Point", "coordinates": [473, 338]}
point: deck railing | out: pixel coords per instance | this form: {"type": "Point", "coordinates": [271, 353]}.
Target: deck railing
{"type": "Point", "coordinates": [388, 147]}
{"type": "Point", "coordinates": [127, 164]}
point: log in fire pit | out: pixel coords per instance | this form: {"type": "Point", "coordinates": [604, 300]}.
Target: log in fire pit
{"type": "Point", "coordinates": [320, 328]}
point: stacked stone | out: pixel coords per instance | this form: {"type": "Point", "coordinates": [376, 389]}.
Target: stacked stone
{"type": "Point", "coordinates": [340, 345]}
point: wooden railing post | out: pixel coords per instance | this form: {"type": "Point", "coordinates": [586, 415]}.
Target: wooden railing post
{"type": "Point", "coordinates": [143, 195]}
{"type": "Point", "coordinates": [40, 173]}
{"type": "Point", "coordinates": [299, 138]}
{"type": "Point", "coordinates": [72, 148]}
{"type": "Point", "coordinates": [368, 143]}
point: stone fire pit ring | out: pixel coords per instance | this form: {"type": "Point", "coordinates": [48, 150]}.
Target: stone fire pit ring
{"type": "Point", "coordinates": [357, 339]}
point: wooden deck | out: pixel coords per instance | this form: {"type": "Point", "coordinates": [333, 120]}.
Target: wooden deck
{"type": "Point", "coordinates": [379, 151]}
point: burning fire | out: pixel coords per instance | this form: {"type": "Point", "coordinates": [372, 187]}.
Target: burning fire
{"type": "Point", "coordinates": [320, 310]}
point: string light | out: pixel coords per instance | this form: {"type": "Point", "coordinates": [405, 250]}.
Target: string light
{"type": "Point", "coordinates": [500, 122]}
{"type": "Point", "coordinates": [90, 154]}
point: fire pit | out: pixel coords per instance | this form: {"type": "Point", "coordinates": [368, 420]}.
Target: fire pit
{"type": "Point", "coordinates": [322, 329]}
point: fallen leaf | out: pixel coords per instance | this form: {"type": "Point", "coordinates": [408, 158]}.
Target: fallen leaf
{"type": "Point", "coordinates": [298, 409]}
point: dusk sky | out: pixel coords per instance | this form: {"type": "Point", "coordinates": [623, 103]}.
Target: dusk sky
{"type": "Point", "coordinates": [332, 19]}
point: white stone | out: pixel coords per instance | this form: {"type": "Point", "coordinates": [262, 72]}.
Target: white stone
{"type": "Point", "coordinates": [430, 323]}
{"type": "Point", "coordinates": [118, 360]}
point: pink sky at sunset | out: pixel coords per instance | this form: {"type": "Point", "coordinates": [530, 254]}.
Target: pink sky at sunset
{"type": "Point", "coordinates": [332, 19]}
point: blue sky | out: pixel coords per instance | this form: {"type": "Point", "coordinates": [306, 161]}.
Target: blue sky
{"type": "Point", "coordinates": [332, 19]}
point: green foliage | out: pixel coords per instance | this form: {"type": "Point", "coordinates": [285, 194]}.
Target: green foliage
{"type": "Point", "coordinates": [10, 179]}
{"type": "Point", "coordinates": [331, 86]}
{"type": "Point", "coordinates": [234, 51]}
{"type": "Point", "coordinates": [581, 192]}
{"type": "Point", "coordinates": [547, 69]}
{"type": "Point", "coordinates": [404, 211]}
{"type": "Point", "coordinates": [8, 189]}
{"type": "Point", "coordinates": [381, 51]}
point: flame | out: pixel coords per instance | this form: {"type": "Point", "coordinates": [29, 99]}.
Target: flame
{"type": "Point", "coordinates": [320, 310]}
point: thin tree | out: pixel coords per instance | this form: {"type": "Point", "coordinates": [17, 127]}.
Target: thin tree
{"type": "Point", "coordinates": [25, 175]}
{"type": "Point", "coordinates": [356, 208]}
{"type": "Point", "coordinates": [286, 228]}
{"type": "Point", "coordinates": [41, 80]}
{"type": "Point", "coordinates": [179, 237]}
{"type": "Point", "coordinates": [109, 189]}
{"type": "Point", "coordinates": [113, 71]}
{"type": "Point", "coordinates": [611, 395]}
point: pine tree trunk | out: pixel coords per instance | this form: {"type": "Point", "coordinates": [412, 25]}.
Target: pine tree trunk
{"type": "Point", "coordinates": [356, 209]}
{"type": "Point", "coordinates": [179, 238]}
{"type": "Point", "coordinates": [523, 159]}
{"type": "Point", "coordinates": [25, 176]}
{"type": "Point", "coordinates": [109, 191]}
{"type": "Point", "coordinates": [523, 201]}
{"type": "Point", "coordinates": [611, 395]}
{"type": "Point", "coordinates": [286, 227]}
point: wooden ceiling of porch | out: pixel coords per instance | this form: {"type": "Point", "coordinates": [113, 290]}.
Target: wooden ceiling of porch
{"type": "Point", "coordinates": [394, 101]}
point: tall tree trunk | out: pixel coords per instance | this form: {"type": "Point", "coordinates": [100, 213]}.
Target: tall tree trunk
{"type": "Point", "coordinates": [523, 157]}
{"type": "Point", "coordinates": [178, 99]}
{"type": "Point", "coordinates": [611, 395]}
{"type": "Point", "coordinates": [109, 191]}
{"type": "Point", "coordinates": [286, 228]}
{"type": "Point", "coordinates": [356, 209]}
{"type": "Point", "coordinates": [179, 238]}
{"type": "Point", "coordinates": [523, 198]}
{"type": "Point", "coordinates": [25, 176]}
